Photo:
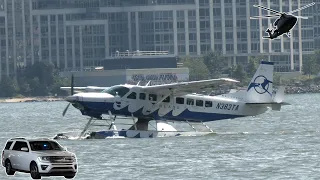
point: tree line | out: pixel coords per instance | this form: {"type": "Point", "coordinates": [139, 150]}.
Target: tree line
{"type": "Point", "coordinates": [39, 79]}
{"type": "Point", "coordinates": [214, 65]}
{"type": "Point", "coordinates": [311, 64]}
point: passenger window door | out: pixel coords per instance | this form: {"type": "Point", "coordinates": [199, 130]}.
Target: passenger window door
{"type": "Point", "coordinates": [20, 144]}
{"type": "Point", "coordinates": [190, 102]}
{"type": "Point", "coordinates": [208, 104]}
{"type": "Point", "coordinates": [153, 97]}
{"type": "Point", "coordinates": [133, 95]}
{"type": "Point", "coordinates": [18, 159]}
{"type": "Point", "coordinates": [142, 96]}
{"type": "Point", "coordinates": [8, 145]}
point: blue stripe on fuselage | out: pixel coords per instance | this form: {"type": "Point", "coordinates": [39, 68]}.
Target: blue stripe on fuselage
{"type": "Point", "coordinates": [104, 107]}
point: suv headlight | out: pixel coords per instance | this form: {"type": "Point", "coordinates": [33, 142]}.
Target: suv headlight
{"type": "Point", "coordinates": [44, 159]}
{"type": "Point", "coordinates": [74, 158]}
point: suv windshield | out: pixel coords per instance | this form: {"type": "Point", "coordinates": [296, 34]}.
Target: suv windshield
{"type": "Point", "coordinates": [44, 145]}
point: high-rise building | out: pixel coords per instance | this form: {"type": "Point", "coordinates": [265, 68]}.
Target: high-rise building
{"type": "Point", "coordinates": [74, 34]}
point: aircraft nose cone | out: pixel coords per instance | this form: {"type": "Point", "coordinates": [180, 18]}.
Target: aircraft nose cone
{"type": "Point", "coordinates": [71, 98]}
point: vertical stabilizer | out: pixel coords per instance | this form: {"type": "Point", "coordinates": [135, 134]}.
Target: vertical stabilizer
{"type": "Point", "coordinates": [260, 87]}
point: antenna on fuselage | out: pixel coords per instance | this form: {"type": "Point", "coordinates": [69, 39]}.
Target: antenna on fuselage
{"type": "Point", "coordinates": [138, 83]}
{"type": "Point", "coordinates": [148, 83]}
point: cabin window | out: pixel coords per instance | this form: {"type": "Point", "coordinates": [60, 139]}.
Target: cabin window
{"type": "Point", "coordinates": [152, 97]}
{"type": "Point", "coordinates": [142, 96]}
{"type": "Point", "coordinates": [167, 99]}
{"type": "Point", "coordinates": [133, 95]}
{"type": "Point", "coordinates": [179, 100]}
{"type": "Point", "coordinates": [199, 103]}
{"type": "Point", "coordinates": [190, 101]}
{"type": "Point", "coordinates": [208, 104]}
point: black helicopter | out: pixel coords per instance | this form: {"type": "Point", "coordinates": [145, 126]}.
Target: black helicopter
{"type": "Point", "coordinates": [284, 23]}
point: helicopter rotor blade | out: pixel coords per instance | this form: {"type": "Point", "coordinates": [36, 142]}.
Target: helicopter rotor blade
{"type": "Point", "coordinates": [304, 7]}
{"type": "Point", "coordinates": [268, 9]}
{"type": "Point", "coordinates": [301, 17]}
{"type": "Point", "coordinates": [266, 16]}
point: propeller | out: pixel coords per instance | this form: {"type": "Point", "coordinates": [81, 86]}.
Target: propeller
{"type": "Point", "coordinates": [72, 92]}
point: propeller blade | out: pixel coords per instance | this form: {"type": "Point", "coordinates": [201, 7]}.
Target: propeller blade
{"type": "Point", "coordinates": [266, 16]}
{"type": "Point", "coordinates": [301, 17]}
{"type": "Point", "coordinates": [72, 84]}
{"type": "Point", "coordinates": [299, 9]}
{"type": "Point", "coordinates": [268, 9]}
{"type": "Point", "coordinates": [65, 110]}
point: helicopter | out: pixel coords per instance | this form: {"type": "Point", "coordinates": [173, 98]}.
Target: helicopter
{"type": "Point", "coordinates": [284, 22]}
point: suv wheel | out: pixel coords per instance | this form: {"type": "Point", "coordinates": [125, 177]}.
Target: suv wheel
{"type": "Point", "coordinates": [9, 169]}
{"type": "Point", "coordinates": [34, 172]}
{"type": "Point", "coordinates": [69, 177]}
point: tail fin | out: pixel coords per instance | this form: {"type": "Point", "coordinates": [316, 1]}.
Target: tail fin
{"type": "Point", "coordinates": [260, 87]}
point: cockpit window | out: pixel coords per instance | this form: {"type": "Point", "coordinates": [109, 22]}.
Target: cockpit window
{"type": "Point", "coordinates": [120, 90]}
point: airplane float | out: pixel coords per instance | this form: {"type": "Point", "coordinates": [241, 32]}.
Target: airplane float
{"type": "Point", "coordinates": [176, 102]}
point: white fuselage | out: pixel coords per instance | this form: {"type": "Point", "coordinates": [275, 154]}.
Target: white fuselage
{"type": "Point", "coordinates": [191, 107]}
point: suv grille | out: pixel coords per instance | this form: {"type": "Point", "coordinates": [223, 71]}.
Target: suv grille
{"type": "Point", "coordinates": [61, 159]}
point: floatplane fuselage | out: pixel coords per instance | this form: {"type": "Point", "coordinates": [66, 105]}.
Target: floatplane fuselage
{"type": "Point", "coordinates": [176, 102]}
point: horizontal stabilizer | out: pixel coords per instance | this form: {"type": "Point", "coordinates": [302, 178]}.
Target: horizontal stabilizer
{"type": "Point", "coordinates": [279, 95]}
{"type": "Point", "coordinates": [271, 103]}
{"type": "Point", "coordinates": [274, 105]}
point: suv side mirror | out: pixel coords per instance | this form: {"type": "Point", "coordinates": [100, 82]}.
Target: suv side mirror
{"type": "Point", "coordinates": [24, 149]}
{"type": "Point", "coordinates": [65, 149]}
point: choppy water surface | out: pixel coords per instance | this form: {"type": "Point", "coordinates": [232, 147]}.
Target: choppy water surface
{"type": "Point", "coordinates": [275, 145]}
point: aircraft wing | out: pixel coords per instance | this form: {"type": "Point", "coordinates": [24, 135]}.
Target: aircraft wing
{"type": "Point", "coordinates": [85, 89]}
{"type": "Point", "coordinates": [183, 88]}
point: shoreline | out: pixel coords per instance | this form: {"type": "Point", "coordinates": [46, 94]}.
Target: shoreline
{"type": "Point", "coordinates": [31, 99]}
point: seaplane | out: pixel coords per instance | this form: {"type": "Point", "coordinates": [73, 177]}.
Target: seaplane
{"type": "Point", "coordinates": [176, 102]}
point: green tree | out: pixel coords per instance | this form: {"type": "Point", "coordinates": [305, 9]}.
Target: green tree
{"type": "Point", "coordinates": [309, 65]}
{"type": "Point", "coordinates": [317, 56]}
{"type": "Point", "coordinates": [253, 64]}
{"type": "Point", "coordinates": [197, 69]}
{"type": "Point", "coordinates": [59, 82]}
{"type": "Point", "coordinates": [276, 79]}
{"type": "Point", "coordinates": [239, 74]}
{"type": "Point", "coordinates": [9, 87]}
{"type": "Point", "coordinates": [215, 63]}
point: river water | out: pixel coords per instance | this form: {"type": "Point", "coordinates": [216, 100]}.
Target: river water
{"type": "Point", "coordinates": [275, 145]}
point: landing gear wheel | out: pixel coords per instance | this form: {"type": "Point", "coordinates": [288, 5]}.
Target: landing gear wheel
{"type": "Point", "coordinates": [8, 166]}
{"type": "Point", "coordinates": [69, 177]}
{"type": "Point", "coordinates": [34, 172]}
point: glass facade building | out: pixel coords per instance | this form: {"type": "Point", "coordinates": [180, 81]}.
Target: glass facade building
{"type": "Point", "coordinates": [74, 34]}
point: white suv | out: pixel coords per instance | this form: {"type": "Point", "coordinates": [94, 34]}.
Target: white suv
{"type": "Point", "coordinates": [39, 157]}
